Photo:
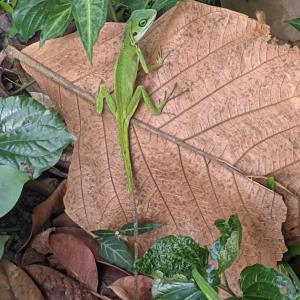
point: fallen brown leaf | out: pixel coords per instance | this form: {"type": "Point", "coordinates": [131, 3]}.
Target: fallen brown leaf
{"type": "Point", "coordinates": [124, 288]}
{"type": "Point", "coordinates": [84, 237]}
{"type": "Point", "coordinates": [58, 286]}
{"type": "Point", "coordinates": [240, 117]}
{"type": "Point", "coordinates": [40, 242]}
{"type": "Point", "coordinates": [63, 220]}
{"type": "Point", "coordinates": [76, 258]}
{"type": "Point", "coordinates": [19, 285]}
{"type": "Point", "coordinates": [42, 212]}
{"type": "Point", "coordinates": [31, 256]}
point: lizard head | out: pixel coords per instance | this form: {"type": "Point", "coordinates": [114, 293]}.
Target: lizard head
{"type": "Point", "coordinates": [140, 21]}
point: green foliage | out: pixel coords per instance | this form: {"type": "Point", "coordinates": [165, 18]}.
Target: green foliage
{"type": "Point", "coordinates": [271, 183]}
{"type": "Point", "coordinates": [31, 140]}
{"type": "Point", "coordinates": [11, 184]}
{"type": "Point", "coordinates": [176, 288]}
{"type": "Point", "coordinates": [3, 239]}
{"type": "Point", "coordinates": [295, 23]}
{"type": "Point", "coordinates": [173, 255]}
{"type": "Point", "coordinates": [226, 249]}
{"type": "Point", "coordinates": [264, 283]}
{"type": "Point", "coordinates": [204, 286]}
{"type": "Point", "coordinates": [90, 16]}
{"type": "Point", "coordinates": [57, 20]}
{"type": "Point", "coordinates": [116, 252]}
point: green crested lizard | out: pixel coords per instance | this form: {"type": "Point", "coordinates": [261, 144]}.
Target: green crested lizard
{"type": "Point", "coordinates": [125, 99]}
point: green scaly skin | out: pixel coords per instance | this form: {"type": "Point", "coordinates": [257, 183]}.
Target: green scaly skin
{"type": "Point", "coordinates": [125, 99]}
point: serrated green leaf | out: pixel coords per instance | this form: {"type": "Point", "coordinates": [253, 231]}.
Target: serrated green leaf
{"type": "Point", "coordinates": [56, 22]}
{"type": "Point", "coordinates": [204, 286]}
{"type": "Point", "coordinates": [287, 270]}
{"type": "Point", "coordinates": [116, 252]}
{"type": "Point", "coordinates": [29, 16]}
{"type": "Point", "coordinates": [226, 249]}
{"type": "Point", "coordinates": [173, 255]}
{"type": "Point", "coordinates": [271, 183]}
{"type": "Point", "coordinates": [3, 239]}
{"type": "Point", "coordinates": [11, 185]}
{"type": "Point", "coordinates": [295, 23]}
{"type": "Point", "coordinates": [90, 16]}
{"type": "Point", "coordinates": [261, 283]}
{"type": "Point", "coordinates": [104, 233]}
{"type": "Point", "coordinates": [32, 138]}
{"type": "Point", "coordinates": [175, 289]}
{"type": "Point", "coordinates": [128, 229]}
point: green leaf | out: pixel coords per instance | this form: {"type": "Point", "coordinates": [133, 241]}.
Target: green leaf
{"type": "Point", "coordinates": [295, 23]}
{"type": "Point", "coordinates": [173, 255]}
{"type": "Point", "coordinates": [128, 229]}
{"type": "Point", "coordinates": [32, 138]}
{"type": "Point", "coordinates": [286, 269]}
{"type": "Point", "coordinates": [164, 5]}
{"type": "Point", "coordinates": [11, 184]}
{"type": "Point", "coordinates": [3, 239]}
{"type": "Point", "coordinates": [271, 183]}
{"type": "Point", "coordinates": [104, 233]}
{"type": "Point", "coordinates": [204, 286]}
{"type": "Point", "coordinates": [261, 283]}
{"type": "Point", "coordinates": [226, 249]}
{"type": "Point", "coordinates": [58, 18]}
{"type": "Point", "coordinates": [116, 252]}
{"type": "Point", "coordinates": [90, 16]}
{"type": "Point", "coordinates": [29, 16]}
{"type": "Point", "coordinates": [293, 250]}
{"type": "Point", "coordinates": [7, 8]}
{"type": "Point", "coordinates": [176, 288]}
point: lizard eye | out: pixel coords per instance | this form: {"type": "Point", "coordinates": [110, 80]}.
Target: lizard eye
{"type": "Point", "coordinates": [134, 33]}
{"type": "Point", "coordinates": [143, 23]}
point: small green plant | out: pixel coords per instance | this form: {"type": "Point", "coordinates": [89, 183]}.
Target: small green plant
{"type": "Point", "coordinates": [32, 139]}
{"type": "Point", "coordinates": [180, 267]}
{"type": "Point", "coordinates": [112, 246]}
{"type": "Point", "coordinates": [52, 17]}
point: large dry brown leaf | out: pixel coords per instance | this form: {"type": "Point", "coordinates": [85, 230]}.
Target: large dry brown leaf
{"type": "Point", "coordinates": [240, 116]}
{"type": "Point", "coordinates": [16, 284]}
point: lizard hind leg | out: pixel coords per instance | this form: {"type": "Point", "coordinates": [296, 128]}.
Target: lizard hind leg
{"type": "Point", "coordinates": [104, 94]}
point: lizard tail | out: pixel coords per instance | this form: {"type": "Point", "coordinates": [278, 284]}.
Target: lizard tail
{"type": "Point", "coordinates": [123, 131]}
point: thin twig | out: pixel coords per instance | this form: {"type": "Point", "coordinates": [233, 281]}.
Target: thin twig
{"type": "Point", "coordinates": [22, 88]}
{"type": "Point", "coordinates": [112, 11]}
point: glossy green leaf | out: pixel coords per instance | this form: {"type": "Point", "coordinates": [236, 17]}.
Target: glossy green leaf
{"type": "Point", "coordinates": [295, 23]}
{"type": "Point", "coordinates": [128, 229]}
{"type": "Point", "coordinates": [11, 185]}
{"type": "Point", "coordinates": [29, 16]}
{"type": "Point", "coordinates": [116, 252]}
{"type": "Point", "coordinates": [176, 288]}
{"type": "Point", "coordinates": [271, 183]}
{"type": "Point", "coordinates": [90, 16]}
{"type": "Point", "coordinates": [173, 255]}
{"type": "Point", "coordinates": [261, 283]}
{"type": "Point", "coordinates": [204, 286]}
{"type": "Point", "coordinates": [32, 138]}
{"type": "Point", "coordinates": [3, 239]}
{"type": "Point", "coordinates": [57, 20]}
{"type": "Point", "coordinates": [287, 270]}
{"type": "Point", "coordinates": [104, 233]}
{"type": "Point", "coordinates": [226, 249]}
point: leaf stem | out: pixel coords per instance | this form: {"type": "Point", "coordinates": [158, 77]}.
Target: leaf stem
{"type": "Point", "coordinates": [226, 287]}
{"type": "Point", "coordinates": [112, 11]}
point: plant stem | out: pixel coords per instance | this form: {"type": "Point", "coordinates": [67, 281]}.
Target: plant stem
{"type": "Point", "coordinates": [22, 88]}
{"type": "Point", "coordinates": [226, 287]}
{"type": "Point", "coordinates": [112, 11]}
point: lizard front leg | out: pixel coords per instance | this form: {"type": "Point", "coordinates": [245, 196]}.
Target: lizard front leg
{"type": "Point", "coordinates": [149, 68]}
{"type": "Point", "coordinates": [141, 92]}
{"type": "Point", "coordinates": [103, 94]}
